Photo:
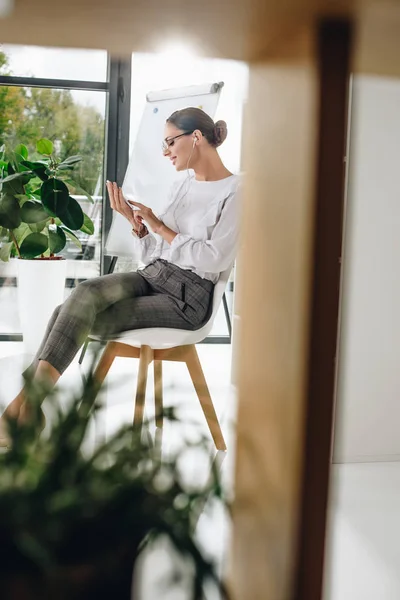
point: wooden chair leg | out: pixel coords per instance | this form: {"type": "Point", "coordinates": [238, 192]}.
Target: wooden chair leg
{"type": "Point", "coordinates": [200, 384]}
{"type": "Point", "coordinates": [105, 362]}
{"type": "Point", "coordinates": [158, 393]}
{"type": "Point", "coordinates": [146, 356]}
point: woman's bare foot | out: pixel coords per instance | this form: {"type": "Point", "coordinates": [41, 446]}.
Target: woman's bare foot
{"type": "Point", "coordinates": [4, 437]}
{"type": "Point", "coordinates": [12, 412]}
{"type": "Point", "coordinates": [14, 407]}
{"type": "Point", "coordinates": [23, 416]}
{"type": "Point", "coordinates": [19, 408]}
{"type": "Point", "coordinates": [26, 415]}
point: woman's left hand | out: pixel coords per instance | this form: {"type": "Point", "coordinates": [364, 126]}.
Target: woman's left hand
{"type": "Point", "coordinates": [147, 215]}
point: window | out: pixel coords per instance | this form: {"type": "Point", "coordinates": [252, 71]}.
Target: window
{"type": "Point", "coordinates": [73, 115]}
{"type": "Point", "coordinates": [56, 63]}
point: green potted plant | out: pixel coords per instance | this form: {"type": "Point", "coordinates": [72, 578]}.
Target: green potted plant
{"type": "Point", "coordinates": [37, 217]}
{"type": "Point", "coordinates": [73, 523]}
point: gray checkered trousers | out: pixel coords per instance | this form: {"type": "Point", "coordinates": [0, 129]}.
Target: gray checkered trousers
{"type": "Point", "coordinates": [160, 295]}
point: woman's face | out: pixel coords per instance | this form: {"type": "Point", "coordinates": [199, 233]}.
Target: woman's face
{"type": "Point", "coordinates": [179, 149]}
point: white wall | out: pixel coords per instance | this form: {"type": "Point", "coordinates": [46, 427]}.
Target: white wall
{"type": "Point", "coordinates": [368, 394]}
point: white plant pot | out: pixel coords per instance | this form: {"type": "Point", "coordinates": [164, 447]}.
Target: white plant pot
{"type": "Point", "coordinates": [41, 286]}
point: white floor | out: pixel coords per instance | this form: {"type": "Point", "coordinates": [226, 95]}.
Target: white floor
{"type": "Point", "coordinates": [363, 542]}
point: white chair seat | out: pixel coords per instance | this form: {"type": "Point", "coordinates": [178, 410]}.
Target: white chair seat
{"type": "Point", "coordinates": [160, 338]}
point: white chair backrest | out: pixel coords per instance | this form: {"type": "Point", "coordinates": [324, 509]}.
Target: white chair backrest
{"type": "Point", "coordinates": [219, 290]}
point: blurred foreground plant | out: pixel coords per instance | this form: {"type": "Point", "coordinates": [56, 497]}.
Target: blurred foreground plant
{"type": "Point", "coordinates": [72, 525]}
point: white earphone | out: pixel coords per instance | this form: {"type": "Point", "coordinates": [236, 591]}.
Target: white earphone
{"type": "Point", "coordinates": [194, 141]}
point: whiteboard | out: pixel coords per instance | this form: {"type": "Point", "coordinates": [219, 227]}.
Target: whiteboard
{"type": "Point", "coordinates": [150, 175]}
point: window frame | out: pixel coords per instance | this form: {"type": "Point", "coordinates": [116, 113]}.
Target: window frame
{"type": "Point", "coordinates": [116, 153]}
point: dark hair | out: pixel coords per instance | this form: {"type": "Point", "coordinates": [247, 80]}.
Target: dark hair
{"type": "Point", "coordinates": [190, 119]}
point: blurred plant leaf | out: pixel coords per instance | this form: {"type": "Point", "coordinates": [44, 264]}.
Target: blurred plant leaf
{"type": "Point", "coordinates": [57, 239]}
{"type": "Point", "coordinates": [61, 506]}
{"type": "Point", "coordinates": [22, 176]}
{"type": "Point", "coordinates": [4, 234]}
{"type": "Point", "coordinates": [88, 225]}
{"type": "Point", "coordinates": [72, 216]}
{"type": "Point", "coordinates": [72, 237]}
{"type": "Point", "coordinates": [71, 160]}
{"type": "Point", "coordinates": [38, 168]}
{"type": "Point", "coordinates": [15, 186]}
{"type": "Point", "coordinates": [22, 151]}
{"type": "Point", "coordinates": [34, 245]}
{"type": "Point", "coordinates": [79, 189]}
{"type": "Point", "coordinates": [44, 146]}
{"type": "Point", "coordinates": [55, 197]}
{"type": "Point", "coordinates": [38, 227]}
{"type": "Point", "coordinates": [36, 193]}
{"type": "Point", "coordinates": [10, 212]}
{"type": "Point", "coordinates": [33, 212]}
{"type": "Point", "coordinates": [21, 232]}
{"type": "Point", "coordinates": [5, 251]}
{"type": "Point", "coordinates": [62, 167]}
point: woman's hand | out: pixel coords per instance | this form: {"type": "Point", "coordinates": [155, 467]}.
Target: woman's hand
{"type": "Point", "coordinates": [118, 203]}
{"type": "Point", "coordinates": [144, 213]}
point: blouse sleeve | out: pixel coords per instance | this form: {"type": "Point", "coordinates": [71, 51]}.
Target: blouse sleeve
{"type": "Point", "coordinates": [146, 246]}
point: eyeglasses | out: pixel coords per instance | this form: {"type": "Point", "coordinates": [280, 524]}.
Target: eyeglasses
{"type": "Point", "coordinates": [169, 142]}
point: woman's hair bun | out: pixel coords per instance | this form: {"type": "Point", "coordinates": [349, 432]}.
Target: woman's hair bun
{"type": "Point", "coordinates": [220, 133]}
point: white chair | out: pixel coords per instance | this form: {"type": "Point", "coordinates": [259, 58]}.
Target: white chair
{"type": "Point", "coordinates": [160, 343]}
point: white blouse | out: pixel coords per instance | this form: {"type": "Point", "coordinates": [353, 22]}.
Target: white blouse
{"type": "Point", "coordinates": [205, 215]}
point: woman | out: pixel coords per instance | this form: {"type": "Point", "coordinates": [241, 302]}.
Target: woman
{"type": "Point", "coordinates": [196, 241]}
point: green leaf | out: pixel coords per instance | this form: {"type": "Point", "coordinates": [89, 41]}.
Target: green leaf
{"type": "Point", "coordinates": [65, 167]}
{"type": "Point", "coordinates": [55, 197]}
{"type": "Point", "coordinates": [22, 151]}
{"type": "Point", "coordinates": [5, 251]}
{"type": "Point", "coordinates": [14, 187]}
{"type": "Point", "coordinates": [35, 193]}
{"type": "Point", "coordinates": [4, 234]}
{"type": "Point", "coordinates": [73, 216]}
{"type": "Point", "coordinates": [72, 237]}
{"type": "Point", "coordinates": [22, 232]}
{"type": "Point", "coordinates": [34, 245]}
{"type": "Point", "coordinates": [57, 240]}
{"type": "Point", "coordinates": [33, 212]}
{"type": "Point", "coordinates": [22, 176]}
{"type": "Point", "coordinates": [78, 188]}
{"type": "Point", "coordinates": [10, 212]}
{"type": "Point", "coordinates": [44, 146]}
{"type": "Point", "coordinates": [88, 225]}
{"type": "Point", "coordinates": [71, 160]}
{"type": "Point", "coordinates": [18, 163]}
{"type": "Point", "coordinates": [38, 227]}
{"type": "Point", "coordinates": [38, 168]}
{"type": "Point", "coordinates": [10, 169]}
